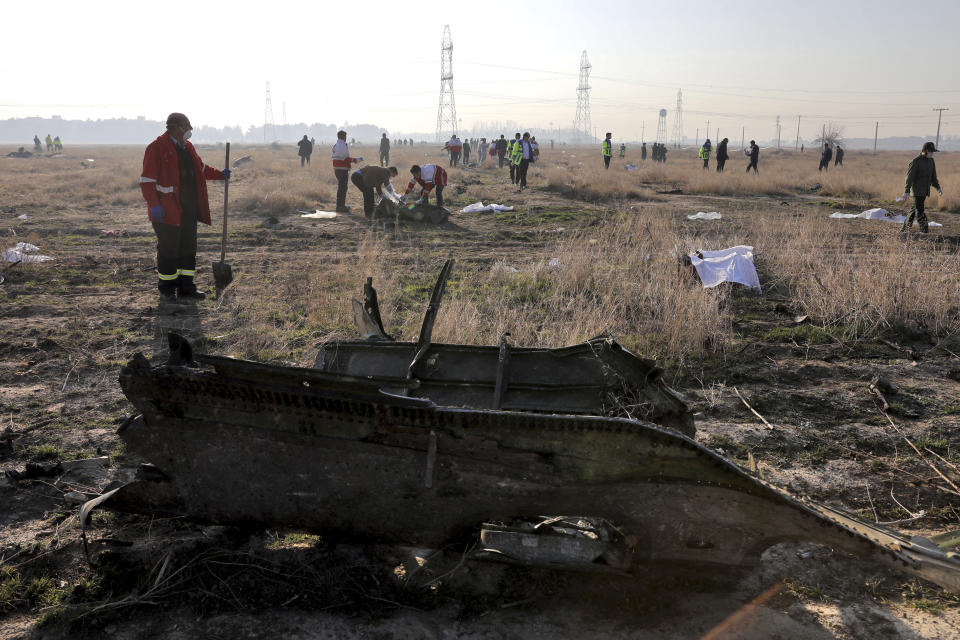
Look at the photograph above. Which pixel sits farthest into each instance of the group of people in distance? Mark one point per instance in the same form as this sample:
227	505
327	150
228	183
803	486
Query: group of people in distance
173	184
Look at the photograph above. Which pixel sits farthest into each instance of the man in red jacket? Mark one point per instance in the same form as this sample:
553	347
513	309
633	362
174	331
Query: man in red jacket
174	185
428	176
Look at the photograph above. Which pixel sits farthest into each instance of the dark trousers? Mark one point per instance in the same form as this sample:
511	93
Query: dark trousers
500	161
357	180
522	173
706	163
752	165
341	187
606	162
304	159
454	158
917	210
513	172
438	189
384	158
720	163
466	157
176	251
824	165
838	161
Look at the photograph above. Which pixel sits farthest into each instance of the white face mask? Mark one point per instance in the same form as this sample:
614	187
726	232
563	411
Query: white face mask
187	134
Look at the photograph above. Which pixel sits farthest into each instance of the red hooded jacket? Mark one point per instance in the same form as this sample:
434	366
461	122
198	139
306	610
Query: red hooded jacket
160	179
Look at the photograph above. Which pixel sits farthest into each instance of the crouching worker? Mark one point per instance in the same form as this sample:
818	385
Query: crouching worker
372	177
428	176
174	184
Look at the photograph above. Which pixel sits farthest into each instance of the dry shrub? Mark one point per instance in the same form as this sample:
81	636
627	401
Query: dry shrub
862	286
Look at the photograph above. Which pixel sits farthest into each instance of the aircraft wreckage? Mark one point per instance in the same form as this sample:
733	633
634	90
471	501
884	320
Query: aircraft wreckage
422	443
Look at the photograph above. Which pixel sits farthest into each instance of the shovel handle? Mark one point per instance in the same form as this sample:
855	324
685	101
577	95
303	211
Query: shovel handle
226	189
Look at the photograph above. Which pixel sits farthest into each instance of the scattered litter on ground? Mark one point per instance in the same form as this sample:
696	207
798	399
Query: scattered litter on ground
671	192
556	264
23	216
324	215
23	252
478	207
727	265
241	161
20	153
816	187
632	167
113	233
876	214
899	199
705	215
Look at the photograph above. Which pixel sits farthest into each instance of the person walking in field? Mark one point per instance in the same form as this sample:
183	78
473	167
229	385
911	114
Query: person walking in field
501	151
921	175
643	151
305	150
704	154
57	145
49	142
36	144
512	157
838	156
623	150
454	146
371	178
384	150
524	157
429	177
754	152
466	152
174	184
722	155
825	157
606	148
341	169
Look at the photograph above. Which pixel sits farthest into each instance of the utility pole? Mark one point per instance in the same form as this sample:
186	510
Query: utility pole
447	108
697	144
796	147
742	138
876	130
708	128
643	130
581	122
823	136
778	133
939	116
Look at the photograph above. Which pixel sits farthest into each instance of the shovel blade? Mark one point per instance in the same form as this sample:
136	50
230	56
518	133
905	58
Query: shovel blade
222	275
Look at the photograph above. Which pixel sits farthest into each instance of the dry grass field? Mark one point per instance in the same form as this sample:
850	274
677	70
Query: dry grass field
585	251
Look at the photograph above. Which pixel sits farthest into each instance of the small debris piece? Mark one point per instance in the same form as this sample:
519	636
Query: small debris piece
884	385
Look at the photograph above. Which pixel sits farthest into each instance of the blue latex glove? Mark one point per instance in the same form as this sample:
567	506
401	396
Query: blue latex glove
157	212
226	174
360	159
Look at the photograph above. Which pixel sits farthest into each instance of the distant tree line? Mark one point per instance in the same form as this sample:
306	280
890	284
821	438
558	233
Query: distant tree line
20	131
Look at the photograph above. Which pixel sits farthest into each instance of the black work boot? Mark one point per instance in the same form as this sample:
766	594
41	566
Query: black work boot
187	290
168	290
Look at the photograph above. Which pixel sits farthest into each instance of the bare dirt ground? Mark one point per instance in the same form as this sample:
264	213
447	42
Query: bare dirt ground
69	325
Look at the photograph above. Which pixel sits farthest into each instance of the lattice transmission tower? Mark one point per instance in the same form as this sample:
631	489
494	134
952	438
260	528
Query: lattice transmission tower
677	136
447	111
662	127
581	123
268	118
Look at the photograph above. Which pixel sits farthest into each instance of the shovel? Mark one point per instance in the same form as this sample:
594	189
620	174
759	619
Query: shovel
222	273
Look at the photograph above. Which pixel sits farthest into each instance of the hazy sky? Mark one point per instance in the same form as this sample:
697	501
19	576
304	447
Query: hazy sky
739	63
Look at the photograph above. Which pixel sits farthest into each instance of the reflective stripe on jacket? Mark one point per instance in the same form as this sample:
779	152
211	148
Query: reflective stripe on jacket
160	179
606	148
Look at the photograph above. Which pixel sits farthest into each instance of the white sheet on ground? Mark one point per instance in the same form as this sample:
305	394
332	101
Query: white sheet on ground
324	215
705	215
23	252
876	214
479	207
727	265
